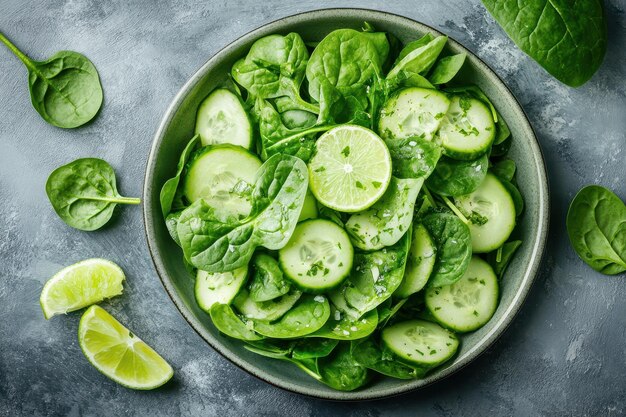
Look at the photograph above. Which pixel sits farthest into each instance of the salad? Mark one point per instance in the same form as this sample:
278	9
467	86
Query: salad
347	205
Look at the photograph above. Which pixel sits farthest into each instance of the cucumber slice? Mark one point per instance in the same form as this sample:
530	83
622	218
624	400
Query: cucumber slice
420	342
222	119
222	175
420	263
469	303
468	130
219	287
265	310
491	212
318	256
309	209
413	112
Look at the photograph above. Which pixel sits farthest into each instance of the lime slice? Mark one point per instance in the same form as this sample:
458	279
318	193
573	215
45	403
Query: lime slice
351	168
119	354
81	285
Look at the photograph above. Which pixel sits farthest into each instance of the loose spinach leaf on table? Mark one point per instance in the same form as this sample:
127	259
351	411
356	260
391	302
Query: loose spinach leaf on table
454	247
168	192
64	89
596	224
84	193
567	38
214	245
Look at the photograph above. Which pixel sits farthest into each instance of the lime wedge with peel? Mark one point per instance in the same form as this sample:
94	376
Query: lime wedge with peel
351	168
119	354
81	285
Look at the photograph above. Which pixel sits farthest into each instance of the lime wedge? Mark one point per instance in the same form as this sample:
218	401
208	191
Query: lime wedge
351	168
81	285
119	354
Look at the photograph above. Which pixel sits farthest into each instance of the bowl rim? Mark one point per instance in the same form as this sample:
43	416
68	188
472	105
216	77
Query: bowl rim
479	348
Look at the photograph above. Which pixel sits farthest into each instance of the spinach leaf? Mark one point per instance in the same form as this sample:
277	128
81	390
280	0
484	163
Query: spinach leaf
452	177
388	219
374	277
227	322
307	316
567	38
412	46
341	371
342	326
214	245
420	59
308	365
343	62
313	348
518	200
500	259
504	169
446	68
454	247
388	310
596	225
84	193
413	157
268	281
64	89
168	192
275	67
369	354
171	222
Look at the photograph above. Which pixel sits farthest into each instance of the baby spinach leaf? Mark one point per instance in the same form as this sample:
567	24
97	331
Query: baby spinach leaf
265	310
500	259
168	192
84	193
567	38
452	177
227	322
214	245
374	277
388	310
596	224
388	219
413	157
369	354
313	348
446	68
275	67
413	45
64	89
307	316
342	326
504	169
308	365
341	371
268	281
518	201
420	59
454	247
171	222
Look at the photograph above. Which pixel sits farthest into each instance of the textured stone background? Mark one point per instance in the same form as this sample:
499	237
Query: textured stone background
564	355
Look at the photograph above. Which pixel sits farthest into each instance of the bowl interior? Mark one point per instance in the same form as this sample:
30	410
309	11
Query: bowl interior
177	128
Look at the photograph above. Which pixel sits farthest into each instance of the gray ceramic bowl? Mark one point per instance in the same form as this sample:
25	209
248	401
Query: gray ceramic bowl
177	127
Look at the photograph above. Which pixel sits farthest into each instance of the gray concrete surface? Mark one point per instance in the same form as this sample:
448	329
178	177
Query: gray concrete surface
564	355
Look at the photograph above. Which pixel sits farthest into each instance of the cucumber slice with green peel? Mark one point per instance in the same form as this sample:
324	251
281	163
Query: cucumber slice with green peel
309	209
491	213
420	342
265	310
469	303
222	119
467	130
318	256
219	287
413	112
222	175
388	219
419	264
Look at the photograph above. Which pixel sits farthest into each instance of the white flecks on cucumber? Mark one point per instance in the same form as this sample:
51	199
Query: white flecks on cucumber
222	119
222	175
467	130
218	287
491	214
413	112
420	342
318	256
420	263
388	219
469	303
